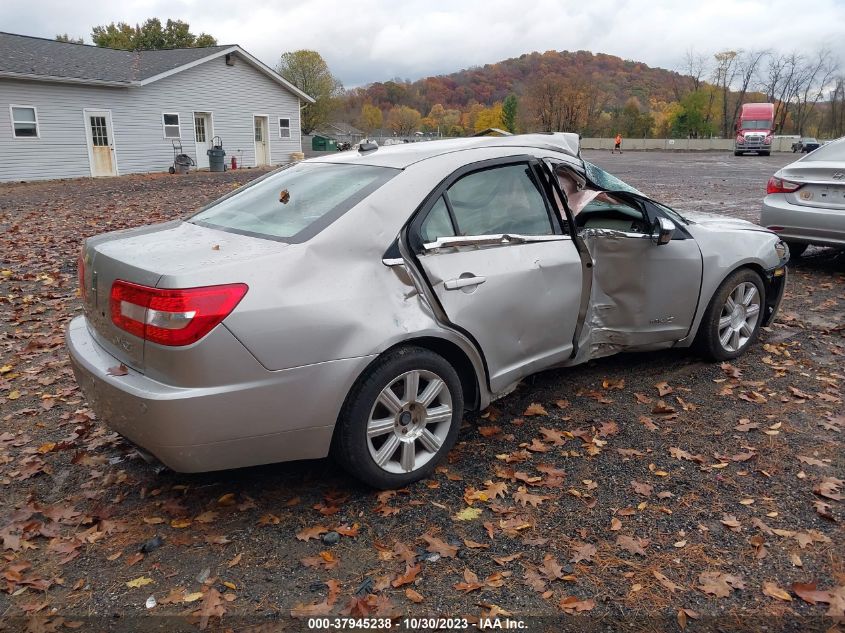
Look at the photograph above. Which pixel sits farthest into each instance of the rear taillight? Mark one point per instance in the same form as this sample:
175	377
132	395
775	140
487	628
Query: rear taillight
172	316
80	269
779	185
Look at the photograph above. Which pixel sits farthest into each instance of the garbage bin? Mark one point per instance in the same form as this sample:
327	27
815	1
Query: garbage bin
182	163
216	159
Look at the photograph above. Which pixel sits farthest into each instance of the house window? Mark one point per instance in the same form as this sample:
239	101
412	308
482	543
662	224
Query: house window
171	125
24	121
284	128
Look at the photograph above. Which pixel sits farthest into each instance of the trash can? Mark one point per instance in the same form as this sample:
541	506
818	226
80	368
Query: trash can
323	144
216	159
182	163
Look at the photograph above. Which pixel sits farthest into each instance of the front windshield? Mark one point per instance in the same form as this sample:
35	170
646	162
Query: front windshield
609	182
756	125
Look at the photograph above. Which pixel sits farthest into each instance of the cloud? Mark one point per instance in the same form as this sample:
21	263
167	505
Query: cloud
375	40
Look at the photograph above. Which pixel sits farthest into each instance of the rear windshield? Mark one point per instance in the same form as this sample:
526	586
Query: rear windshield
296	203
834	150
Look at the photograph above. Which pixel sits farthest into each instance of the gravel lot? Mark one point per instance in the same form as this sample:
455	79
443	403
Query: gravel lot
644	491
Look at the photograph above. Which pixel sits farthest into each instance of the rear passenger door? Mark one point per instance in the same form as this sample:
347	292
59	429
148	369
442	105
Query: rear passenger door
501	266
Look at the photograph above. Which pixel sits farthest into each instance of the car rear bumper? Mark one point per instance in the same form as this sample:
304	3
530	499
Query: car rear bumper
798	223
285	415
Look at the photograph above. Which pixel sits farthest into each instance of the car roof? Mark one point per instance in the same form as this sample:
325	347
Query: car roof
406	154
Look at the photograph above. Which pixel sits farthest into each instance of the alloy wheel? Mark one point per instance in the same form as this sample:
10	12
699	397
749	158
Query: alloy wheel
739	317
409	421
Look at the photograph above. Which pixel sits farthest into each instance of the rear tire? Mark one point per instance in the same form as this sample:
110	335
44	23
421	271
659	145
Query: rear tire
796	249
765	153
737	153
733	317
400	419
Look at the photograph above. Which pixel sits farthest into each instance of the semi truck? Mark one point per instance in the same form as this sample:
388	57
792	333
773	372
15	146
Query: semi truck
755	129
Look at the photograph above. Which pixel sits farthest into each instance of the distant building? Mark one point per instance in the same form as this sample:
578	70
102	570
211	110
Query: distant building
77	110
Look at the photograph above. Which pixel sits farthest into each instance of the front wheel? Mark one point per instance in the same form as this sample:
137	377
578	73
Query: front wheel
401	418
733	317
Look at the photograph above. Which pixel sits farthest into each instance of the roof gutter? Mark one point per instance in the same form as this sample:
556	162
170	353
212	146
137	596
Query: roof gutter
66	80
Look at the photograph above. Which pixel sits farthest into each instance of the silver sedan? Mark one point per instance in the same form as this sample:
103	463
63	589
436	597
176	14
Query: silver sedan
360	303
805	201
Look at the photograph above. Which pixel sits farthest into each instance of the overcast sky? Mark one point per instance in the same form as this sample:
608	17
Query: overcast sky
375	40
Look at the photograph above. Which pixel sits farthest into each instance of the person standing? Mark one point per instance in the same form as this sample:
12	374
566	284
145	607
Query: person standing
617	144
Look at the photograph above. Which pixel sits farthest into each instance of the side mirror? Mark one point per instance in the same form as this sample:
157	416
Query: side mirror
662	231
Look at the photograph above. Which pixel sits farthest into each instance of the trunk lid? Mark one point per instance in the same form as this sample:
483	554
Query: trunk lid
823	184
164	254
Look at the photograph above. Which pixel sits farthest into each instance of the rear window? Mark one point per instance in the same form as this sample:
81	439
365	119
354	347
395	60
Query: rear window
834	150
296	203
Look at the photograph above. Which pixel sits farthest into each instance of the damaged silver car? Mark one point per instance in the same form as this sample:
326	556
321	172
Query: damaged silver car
360	303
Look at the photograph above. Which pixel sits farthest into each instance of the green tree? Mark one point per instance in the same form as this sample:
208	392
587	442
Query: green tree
370	119
64	37
151	35
308	71
509	110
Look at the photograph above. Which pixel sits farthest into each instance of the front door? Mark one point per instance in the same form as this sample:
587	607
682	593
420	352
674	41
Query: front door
503	270
100	136
262	141
202	134
643	294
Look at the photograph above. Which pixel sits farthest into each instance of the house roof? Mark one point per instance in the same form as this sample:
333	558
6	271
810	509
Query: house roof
35	58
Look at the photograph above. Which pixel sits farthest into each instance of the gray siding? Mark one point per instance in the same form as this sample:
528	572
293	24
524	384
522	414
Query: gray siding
233	94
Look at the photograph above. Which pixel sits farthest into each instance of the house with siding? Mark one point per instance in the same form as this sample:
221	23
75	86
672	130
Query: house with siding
73	110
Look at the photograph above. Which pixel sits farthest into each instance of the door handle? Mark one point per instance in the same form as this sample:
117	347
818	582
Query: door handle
463	282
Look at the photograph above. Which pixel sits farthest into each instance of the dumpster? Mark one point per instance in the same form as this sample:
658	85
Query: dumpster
216	155
323	144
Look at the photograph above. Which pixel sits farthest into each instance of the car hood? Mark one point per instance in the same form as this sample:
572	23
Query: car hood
711	222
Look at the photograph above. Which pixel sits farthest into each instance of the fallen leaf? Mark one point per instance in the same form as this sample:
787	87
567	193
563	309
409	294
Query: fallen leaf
313	532
141	581
583	552
468	514
772	590
535	409
632	544
410	575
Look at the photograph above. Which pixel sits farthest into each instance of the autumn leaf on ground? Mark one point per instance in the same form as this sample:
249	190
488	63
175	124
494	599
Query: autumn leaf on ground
661	408
772	590
666	582
829	488
437	546
730	522
583	552
535	409
470	582
718	584
571	604
679	453
319	608
613	383
663	389
468	514
524	497
139	582
410	575
812	461
503	560
118	370
642	489
413	596
313	532
555	437
633	545
212	607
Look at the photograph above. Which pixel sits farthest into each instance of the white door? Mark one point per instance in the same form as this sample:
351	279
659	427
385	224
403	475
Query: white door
262	142
98	129
202	134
